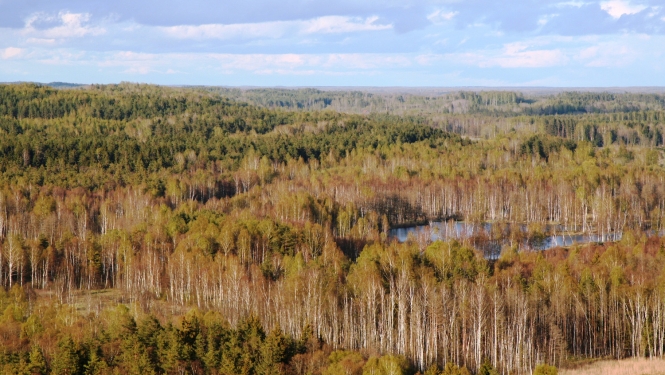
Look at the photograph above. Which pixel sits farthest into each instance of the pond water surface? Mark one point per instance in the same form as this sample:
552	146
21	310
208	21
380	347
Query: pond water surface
461	230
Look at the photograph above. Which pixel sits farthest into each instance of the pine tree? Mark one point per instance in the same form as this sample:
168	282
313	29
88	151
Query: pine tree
66	360
275	351
96	364
135	359
37	362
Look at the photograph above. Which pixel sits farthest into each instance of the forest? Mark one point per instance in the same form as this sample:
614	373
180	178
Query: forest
207	230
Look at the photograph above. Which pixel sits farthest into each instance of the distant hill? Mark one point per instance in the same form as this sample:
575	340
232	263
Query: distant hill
63	85
57	85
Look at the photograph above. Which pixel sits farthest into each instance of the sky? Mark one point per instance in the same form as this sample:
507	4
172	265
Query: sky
434	43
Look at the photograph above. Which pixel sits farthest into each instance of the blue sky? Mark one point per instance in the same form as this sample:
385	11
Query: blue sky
335	43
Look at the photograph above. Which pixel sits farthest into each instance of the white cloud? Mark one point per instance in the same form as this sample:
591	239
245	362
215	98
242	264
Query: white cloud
260	64
576	4
609	54
543	20
513	55
654	11
11	53
531	59
61	57
617	8
368	61
539	56
345	64
428	59
41	41
355	61
588	53
138	70
233	31
137	62
440	16
70	25
276	29
339	24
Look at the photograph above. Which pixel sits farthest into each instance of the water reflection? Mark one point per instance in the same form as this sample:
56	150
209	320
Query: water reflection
494	236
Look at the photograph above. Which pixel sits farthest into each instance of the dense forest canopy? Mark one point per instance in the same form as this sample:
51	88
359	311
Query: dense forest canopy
149	229
500	103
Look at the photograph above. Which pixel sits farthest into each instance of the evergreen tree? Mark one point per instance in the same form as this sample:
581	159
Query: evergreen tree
96	364
275	352
37	362
66	360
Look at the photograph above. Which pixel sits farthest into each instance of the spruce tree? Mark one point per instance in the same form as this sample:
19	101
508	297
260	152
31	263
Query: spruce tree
37	364
66	360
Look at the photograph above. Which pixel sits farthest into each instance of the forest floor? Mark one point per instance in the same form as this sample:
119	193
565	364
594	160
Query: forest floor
85	301
94	301
631	366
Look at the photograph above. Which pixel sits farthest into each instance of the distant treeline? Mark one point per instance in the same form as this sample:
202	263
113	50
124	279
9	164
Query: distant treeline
498	103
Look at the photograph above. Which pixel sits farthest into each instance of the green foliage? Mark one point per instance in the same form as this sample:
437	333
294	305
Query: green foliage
37	362
453	369
387	364
96	364
136	358
345	362
67	359
97	131
275	351
452	261
542	146
487	369
544	369
432	370
168	198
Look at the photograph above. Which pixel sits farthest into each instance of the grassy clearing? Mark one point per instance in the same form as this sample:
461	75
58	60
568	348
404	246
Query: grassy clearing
632	366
